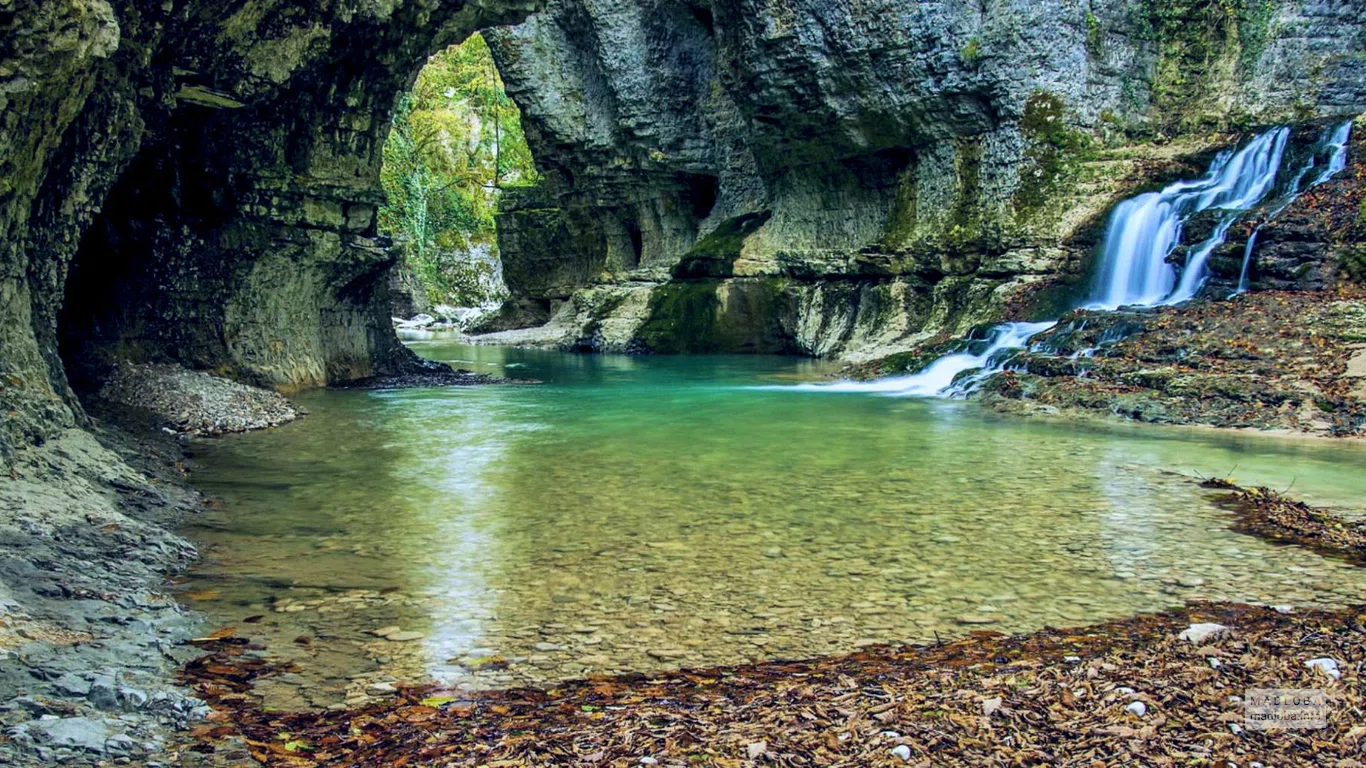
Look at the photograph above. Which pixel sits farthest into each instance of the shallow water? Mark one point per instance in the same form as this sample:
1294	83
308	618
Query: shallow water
639	513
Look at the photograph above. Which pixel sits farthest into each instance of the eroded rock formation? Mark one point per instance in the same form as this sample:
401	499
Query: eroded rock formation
850	179
196	182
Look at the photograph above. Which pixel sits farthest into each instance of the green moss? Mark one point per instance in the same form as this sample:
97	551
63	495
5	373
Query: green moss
688	317
603	310
1095	35
1053	158
715	254
902	222
1254	30
972	53
1200	43
965	224
1352	267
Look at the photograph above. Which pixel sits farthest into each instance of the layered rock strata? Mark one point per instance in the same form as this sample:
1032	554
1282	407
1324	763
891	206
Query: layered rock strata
851	180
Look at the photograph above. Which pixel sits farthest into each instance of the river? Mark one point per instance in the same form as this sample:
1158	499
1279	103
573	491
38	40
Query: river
629	514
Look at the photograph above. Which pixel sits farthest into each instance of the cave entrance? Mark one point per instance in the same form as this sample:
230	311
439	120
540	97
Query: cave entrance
456	147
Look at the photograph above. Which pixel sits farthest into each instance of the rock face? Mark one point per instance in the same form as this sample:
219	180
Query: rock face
193	183
846	179
184	182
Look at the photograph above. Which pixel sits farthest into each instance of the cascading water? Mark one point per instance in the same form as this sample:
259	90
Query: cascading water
1142	232
1145	229
1335	143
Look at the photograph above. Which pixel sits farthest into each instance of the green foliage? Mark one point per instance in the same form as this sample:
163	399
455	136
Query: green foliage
1095	35
456	143
1200	43
972	53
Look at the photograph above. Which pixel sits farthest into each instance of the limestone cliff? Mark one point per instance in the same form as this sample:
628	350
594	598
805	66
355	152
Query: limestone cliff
197	182
853	178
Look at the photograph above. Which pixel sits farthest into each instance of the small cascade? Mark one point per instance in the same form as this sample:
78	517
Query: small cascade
987	355
1334	142
1134	269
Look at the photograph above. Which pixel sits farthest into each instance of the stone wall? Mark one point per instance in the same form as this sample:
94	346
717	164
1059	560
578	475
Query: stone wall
919	167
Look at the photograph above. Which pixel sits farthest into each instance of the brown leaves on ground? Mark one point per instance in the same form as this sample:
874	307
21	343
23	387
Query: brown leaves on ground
1056	697
1266	513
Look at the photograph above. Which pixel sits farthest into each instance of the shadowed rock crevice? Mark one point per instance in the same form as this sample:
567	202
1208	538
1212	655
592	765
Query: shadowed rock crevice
209	177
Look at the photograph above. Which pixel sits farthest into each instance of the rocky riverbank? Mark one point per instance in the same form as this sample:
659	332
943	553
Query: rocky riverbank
186	402
89	637
1273	360
1154	689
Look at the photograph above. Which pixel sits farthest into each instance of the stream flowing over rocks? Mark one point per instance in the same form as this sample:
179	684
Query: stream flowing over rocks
188	229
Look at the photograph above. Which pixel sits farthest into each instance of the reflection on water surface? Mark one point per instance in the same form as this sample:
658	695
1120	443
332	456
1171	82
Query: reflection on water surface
638	513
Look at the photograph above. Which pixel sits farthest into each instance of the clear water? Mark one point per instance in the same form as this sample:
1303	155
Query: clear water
640	513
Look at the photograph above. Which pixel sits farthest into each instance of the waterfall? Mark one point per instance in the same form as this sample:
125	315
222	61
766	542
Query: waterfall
1144	230
939	376
1334	142
1142	233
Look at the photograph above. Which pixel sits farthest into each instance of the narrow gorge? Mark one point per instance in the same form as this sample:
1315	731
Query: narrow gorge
934	199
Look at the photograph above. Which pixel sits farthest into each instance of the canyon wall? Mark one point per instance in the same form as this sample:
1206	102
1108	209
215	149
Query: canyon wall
853	179
196	182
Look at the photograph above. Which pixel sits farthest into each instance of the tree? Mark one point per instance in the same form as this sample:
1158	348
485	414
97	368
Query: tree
456	143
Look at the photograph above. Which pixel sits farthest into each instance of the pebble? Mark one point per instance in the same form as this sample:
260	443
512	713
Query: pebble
974	619
1199	634
1137	709
902	753
1325	665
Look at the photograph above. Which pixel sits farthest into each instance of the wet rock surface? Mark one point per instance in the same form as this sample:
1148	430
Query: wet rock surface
1271	360
89	638
885	172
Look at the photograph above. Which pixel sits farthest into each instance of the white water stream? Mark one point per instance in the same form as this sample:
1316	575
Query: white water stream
1134	270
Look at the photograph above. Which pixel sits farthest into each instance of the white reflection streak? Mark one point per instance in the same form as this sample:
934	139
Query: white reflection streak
465	541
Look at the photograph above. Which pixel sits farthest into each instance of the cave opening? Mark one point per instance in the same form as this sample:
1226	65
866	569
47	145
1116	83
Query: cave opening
456	147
